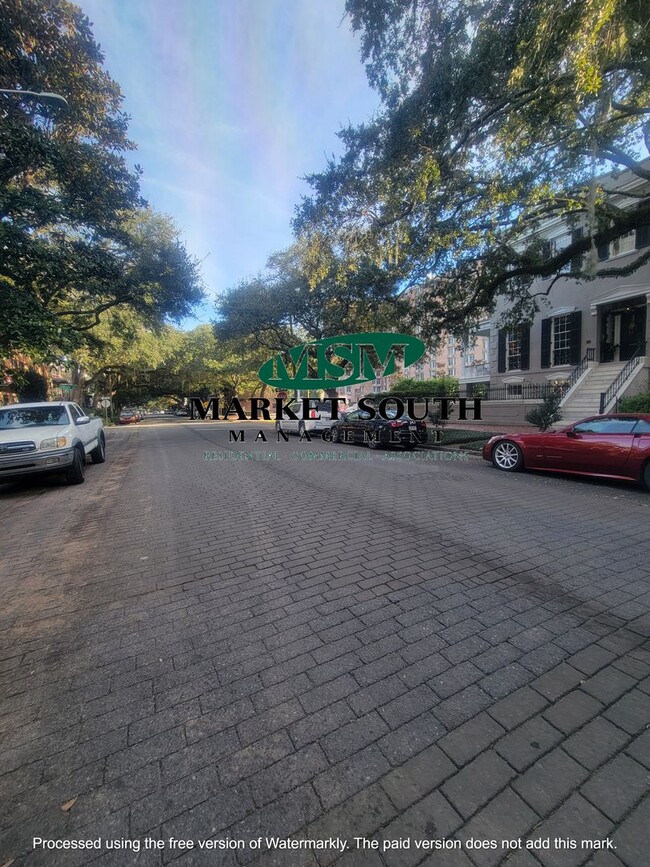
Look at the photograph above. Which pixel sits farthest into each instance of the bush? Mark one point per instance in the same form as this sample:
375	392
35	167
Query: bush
456	436
547	413
31	385
638	403
441	386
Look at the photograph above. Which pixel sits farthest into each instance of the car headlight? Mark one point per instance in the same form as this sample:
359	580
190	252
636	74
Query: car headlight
54	443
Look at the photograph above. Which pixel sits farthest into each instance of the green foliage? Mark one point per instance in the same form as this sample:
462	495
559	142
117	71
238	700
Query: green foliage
441	386
637	403
497	116
456	436
310	291
76	237
547	413
32	386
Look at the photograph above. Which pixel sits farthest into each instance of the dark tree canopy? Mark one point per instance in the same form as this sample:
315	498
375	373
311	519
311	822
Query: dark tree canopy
76	237
497	116
310	291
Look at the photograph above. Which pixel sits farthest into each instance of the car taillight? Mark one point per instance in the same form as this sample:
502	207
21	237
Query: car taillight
312	413
394	424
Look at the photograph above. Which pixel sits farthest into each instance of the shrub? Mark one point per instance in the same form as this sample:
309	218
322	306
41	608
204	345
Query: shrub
638	403
441	386
547	413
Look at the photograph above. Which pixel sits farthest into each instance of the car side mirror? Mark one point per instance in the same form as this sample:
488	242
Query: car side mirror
84	419
571	433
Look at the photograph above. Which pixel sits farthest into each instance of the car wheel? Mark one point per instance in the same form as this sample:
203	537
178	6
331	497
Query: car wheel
336	435
301	428
646	475
75	473
374	444
507	456
278	426
98	454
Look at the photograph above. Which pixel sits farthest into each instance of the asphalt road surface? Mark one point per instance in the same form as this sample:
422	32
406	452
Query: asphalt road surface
367	658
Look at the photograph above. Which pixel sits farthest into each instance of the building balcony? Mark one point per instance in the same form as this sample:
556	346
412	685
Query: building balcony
475	372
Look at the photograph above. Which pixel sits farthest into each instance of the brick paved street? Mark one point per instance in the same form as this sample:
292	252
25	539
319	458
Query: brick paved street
388	649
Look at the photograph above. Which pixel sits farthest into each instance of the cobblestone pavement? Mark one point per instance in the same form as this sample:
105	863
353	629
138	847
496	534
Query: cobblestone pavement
389	650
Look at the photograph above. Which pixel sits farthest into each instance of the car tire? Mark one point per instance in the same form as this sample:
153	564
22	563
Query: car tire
75	474
98	454
374	444
507	456
336	435
301	428
645	476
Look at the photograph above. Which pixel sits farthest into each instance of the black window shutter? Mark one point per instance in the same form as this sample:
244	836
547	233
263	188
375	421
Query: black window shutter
576	262
546	342
501	364
575	326
642	237
525	348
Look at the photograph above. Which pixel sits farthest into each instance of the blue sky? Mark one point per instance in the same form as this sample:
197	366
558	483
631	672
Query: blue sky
231	102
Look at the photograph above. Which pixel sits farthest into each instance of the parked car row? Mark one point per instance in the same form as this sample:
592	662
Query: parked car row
357	426
612	446
131	415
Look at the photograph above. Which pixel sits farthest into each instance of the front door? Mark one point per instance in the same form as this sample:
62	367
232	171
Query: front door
632	340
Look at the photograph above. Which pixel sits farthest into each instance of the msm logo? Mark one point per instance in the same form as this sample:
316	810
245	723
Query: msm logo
334	362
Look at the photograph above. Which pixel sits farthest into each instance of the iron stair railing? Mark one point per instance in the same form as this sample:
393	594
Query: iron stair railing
589	355
606	397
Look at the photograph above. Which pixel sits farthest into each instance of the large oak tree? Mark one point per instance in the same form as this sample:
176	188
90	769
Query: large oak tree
497	116
76	239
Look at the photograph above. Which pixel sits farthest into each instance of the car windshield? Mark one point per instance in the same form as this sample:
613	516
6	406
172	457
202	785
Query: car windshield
35	416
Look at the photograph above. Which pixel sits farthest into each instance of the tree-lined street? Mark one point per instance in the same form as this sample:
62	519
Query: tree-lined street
343	648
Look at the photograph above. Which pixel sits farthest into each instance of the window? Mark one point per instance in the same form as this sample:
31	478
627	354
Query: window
513	351
561	341
75	412
642	427
606	426
514	391
625	244
562	338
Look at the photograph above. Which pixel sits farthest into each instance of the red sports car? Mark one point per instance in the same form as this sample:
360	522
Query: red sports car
614	446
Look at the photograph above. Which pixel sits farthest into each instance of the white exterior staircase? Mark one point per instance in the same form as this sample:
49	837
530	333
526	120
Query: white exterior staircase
584	399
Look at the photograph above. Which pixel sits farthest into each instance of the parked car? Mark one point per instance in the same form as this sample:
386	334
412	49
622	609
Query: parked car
320	419
358	426
129	416
181	413
49	438
612	446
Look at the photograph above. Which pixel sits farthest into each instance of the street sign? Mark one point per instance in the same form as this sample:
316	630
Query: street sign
105	402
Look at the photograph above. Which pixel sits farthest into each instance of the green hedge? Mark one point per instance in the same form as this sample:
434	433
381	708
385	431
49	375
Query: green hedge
441	386
453	436
638	403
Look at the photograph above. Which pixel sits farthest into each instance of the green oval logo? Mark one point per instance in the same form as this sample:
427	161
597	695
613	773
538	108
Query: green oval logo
334	362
